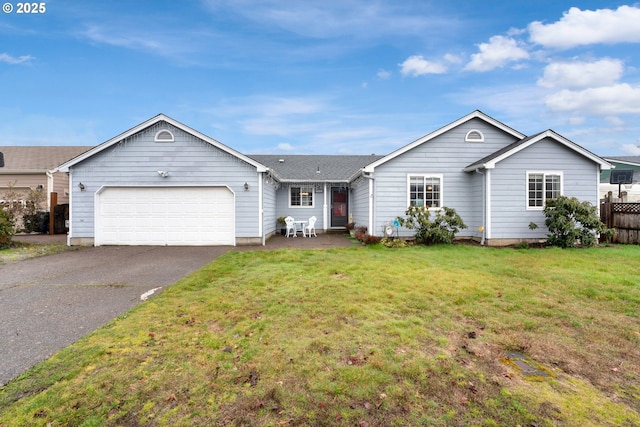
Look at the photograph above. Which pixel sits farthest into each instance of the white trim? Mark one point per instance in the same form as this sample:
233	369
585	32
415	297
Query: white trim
624	162
488	220
476	114
371	201
313	196
474	131
440	176
491	164
261	208
97	237
325	207
544	174
160	117
156	139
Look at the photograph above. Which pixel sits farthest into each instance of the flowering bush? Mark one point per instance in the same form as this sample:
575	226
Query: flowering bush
442	229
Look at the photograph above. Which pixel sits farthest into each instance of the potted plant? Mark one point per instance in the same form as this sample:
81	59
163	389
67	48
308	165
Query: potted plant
283	226
351	228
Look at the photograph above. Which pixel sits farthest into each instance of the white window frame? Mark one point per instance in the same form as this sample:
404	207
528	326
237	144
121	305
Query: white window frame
164	131
424	177
311	189
467	137
544	174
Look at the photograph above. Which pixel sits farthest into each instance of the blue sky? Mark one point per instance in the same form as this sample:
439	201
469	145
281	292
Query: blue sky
321	77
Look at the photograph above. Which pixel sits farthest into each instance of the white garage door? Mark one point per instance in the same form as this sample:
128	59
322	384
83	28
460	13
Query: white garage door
162	216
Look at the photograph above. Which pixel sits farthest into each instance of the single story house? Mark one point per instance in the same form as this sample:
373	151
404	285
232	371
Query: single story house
163	183
30	168
630	192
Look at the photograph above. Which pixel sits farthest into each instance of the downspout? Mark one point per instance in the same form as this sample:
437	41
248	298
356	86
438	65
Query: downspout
369	176
261	208
49	189
484	204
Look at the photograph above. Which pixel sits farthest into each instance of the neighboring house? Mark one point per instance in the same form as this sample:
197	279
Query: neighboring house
163	183
30	168
631	163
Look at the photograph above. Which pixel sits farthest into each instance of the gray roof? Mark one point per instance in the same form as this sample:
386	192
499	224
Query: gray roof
305	167
625	159
37	158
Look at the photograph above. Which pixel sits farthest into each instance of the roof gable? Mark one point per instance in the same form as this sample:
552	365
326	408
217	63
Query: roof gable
491	160
477	114
160	117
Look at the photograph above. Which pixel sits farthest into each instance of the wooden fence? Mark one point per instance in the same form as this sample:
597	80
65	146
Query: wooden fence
624	217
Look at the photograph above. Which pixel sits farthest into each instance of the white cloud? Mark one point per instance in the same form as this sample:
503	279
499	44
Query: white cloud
416	65
383	74
630	149
606	101
5	57
584	27
452	59
283	146
321	19
614	121
579	74
498	52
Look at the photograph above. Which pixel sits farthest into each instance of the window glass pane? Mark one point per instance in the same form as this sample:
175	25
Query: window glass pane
432	192
552	186
295	196
416	191
535	190
302	196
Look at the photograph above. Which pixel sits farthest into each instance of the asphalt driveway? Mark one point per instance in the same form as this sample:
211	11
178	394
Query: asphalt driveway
48	303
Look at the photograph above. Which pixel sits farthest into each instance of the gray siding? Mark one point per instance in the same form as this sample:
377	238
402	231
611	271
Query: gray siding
510	216
302	213
269	207
189	161
359	203
446	154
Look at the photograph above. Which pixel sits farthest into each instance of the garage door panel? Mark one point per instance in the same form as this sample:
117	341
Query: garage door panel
165	216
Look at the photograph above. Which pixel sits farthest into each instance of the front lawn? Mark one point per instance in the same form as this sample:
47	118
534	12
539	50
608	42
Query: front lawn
362	336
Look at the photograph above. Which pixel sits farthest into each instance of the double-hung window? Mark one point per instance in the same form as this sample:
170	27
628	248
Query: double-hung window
542	186
425	190
301	196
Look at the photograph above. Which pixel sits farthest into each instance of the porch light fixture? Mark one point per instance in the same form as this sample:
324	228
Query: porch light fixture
81	186
163	174
246	186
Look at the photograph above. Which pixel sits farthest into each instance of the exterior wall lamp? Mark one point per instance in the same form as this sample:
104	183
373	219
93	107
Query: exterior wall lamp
246	186
81	186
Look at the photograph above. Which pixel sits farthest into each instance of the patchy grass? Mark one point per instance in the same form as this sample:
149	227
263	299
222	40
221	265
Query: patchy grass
360	336
20	250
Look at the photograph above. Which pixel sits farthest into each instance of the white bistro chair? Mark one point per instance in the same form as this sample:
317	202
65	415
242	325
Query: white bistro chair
310	228
291	226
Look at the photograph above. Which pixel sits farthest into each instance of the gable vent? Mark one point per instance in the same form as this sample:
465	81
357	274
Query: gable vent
164	136
474	136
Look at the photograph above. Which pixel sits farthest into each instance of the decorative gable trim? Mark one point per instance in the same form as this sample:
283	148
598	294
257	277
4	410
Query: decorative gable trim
477	114
160	117
490	162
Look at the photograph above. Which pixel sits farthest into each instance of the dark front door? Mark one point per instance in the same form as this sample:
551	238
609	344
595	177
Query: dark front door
339	206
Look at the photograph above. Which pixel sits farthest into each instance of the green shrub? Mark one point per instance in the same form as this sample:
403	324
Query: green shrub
441	229
6	228
573	223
